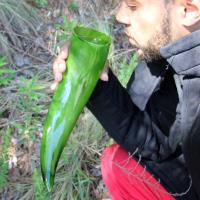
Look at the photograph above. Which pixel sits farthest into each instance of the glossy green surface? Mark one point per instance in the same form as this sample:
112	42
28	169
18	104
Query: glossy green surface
87	56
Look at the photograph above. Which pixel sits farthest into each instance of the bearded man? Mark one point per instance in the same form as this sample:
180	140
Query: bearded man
155	121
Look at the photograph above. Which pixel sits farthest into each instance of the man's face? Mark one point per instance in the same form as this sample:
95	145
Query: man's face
148	25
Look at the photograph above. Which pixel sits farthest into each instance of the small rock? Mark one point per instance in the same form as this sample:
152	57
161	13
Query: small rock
12	162
56	13
14	141
96	171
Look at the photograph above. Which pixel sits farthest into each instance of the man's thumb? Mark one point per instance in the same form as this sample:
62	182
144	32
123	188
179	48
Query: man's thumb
104	76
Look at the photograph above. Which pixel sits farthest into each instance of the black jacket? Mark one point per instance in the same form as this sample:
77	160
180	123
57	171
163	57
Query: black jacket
157	114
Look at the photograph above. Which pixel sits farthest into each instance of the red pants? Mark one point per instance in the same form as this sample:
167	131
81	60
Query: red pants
128	180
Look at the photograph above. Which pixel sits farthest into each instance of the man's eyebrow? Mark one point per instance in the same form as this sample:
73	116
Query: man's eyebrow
133	1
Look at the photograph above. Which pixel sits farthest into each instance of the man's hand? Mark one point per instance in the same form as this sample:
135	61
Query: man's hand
59	67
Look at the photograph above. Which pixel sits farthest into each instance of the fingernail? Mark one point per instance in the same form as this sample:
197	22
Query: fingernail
62	67
53	86
104	77
63	54
58	77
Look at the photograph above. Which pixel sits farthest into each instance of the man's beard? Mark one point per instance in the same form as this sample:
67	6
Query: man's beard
151	51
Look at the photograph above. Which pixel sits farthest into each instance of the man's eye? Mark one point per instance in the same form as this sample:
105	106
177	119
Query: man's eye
132	7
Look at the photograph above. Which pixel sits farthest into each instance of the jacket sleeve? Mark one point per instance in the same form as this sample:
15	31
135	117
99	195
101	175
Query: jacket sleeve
191	150
130	127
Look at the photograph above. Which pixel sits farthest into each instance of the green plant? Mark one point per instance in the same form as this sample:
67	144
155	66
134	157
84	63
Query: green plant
28	100
3	61
40	192
81	181
5	73
65	29
29	93
25	100
41	3
73	6
6	136
27	129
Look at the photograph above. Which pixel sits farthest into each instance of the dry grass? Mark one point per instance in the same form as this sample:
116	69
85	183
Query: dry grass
25	100
17	20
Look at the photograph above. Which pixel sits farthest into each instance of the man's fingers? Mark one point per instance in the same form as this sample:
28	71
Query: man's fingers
62	66
104	76
58	77
58	69
59	66
55	66
53	86
63	52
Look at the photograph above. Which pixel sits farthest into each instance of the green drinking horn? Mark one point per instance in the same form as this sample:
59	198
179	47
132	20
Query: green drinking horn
88	52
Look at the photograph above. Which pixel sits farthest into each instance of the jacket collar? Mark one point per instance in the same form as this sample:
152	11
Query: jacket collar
184	54
145	80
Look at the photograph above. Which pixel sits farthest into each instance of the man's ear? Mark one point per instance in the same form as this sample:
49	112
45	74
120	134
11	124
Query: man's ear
190	12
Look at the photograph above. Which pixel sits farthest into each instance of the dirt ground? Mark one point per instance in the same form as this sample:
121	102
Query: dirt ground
38	52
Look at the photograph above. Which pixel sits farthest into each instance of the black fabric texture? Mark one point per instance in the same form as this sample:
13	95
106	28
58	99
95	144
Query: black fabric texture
157	116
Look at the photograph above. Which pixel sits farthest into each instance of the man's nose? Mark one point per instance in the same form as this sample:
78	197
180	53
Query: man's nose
122	15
